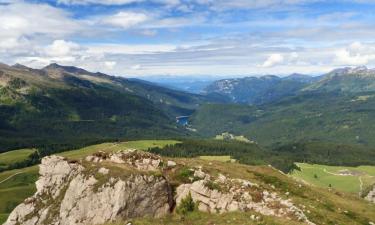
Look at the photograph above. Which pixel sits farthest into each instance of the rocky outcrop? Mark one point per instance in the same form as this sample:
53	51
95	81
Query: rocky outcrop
371	195
137	159
118	186
73	193
227	195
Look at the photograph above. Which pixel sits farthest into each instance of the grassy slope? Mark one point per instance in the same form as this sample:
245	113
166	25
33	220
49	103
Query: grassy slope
14	156
113	147
324	206
200	218
14	190
224	158
326	175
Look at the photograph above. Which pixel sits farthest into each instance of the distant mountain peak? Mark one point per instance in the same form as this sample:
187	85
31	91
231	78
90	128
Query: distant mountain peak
20	66
3	65
268	77
52	66
57	66
297	75
359	70
68	69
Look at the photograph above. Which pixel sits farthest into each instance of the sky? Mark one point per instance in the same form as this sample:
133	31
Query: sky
139	38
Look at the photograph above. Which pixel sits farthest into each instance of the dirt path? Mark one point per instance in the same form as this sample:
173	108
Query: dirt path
10	177
337	174
360	186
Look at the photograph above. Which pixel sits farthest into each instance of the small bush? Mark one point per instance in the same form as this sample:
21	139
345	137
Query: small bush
212	185
186	205
184	175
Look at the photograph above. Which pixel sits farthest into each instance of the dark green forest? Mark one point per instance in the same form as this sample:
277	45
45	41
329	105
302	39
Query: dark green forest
282	157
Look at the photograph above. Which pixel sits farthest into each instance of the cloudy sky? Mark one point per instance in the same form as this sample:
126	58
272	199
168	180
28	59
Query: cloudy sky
189	37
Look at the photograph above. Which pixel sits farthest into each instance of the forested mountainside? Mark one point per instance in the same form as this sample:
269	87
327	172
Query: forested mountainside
259	90
330	117
61	104
338	107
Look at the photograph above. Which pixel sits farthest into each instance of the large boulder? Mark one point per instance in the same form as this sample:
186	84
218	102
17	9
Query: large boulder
71	194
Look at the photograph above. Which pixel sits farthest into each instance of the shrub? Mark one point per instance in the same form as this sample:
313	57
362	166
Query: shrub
184	175
186	205
212	185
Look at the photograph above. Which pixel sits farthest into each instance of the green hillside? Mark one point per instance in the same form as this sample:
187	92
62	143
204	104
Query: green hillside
259	90
349	80
15	156
328	117
68	105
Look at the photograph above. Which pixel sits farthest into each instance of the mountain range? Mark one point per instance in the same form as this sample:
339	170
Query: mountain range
271	88
337	107
64	104
326	120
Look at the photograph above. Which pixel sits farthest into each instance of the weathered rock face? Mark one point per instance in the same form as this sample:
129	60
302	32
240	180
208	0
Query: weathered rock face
107	187
227	195
67	194
371	195
138	159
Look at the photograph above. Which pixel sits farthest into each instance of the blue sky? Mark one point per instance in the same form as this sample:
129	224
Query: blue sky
137	38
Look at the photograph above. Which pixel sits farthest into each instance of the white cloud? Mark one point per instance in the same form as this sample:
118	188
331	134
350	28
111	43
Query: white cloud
116	2
61	48
355	54
99	2
148	32
20	19
344	57
130	49
223	5
136	67
273	59
194	42
125	19
110	64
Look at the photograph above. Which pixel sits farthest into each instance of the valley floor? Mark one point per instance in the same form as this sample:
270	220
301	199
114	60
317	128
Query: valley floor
348	179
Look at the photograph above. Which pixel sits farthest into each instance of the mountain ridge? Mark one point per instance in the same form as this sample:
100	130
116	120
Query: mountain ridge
59	100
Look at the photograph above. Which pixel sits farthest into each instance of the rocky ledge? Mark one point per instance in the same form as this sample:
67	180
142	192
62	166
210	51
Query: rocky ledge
118	186
370	196
224	194
67	194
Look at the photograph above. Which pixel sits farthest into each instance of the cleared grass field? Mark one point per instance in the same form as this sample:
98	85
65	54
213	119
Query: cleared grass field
224	158
227	135
348	179
17	185
113	147
7	158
